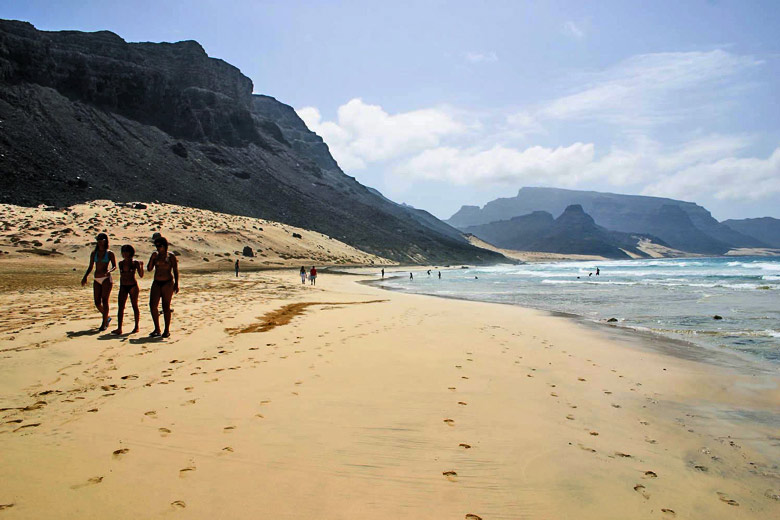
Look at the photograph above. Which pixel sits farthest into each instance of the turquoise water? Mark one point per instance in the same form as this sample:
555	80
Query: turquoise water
672	297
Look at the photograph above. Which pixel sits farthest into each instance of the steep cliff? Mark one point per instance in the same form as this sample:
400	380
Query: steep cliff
87	116
626	213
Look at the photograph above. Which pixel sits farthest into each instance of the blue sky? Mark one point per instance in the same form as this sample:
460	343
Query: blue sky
439	104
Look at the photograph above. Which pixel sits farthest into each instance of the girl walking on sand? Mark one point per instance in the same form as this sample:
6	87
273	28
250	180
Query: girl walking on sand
128	286
165	284
101	287
303	275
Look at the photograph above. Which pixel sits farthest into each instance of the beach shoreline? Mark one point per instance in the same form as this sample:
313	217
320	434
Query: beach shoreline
365	409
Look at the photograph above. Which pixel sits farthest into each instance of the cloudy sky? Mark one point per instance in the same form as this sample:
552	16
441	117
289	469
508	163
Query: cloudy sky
439	104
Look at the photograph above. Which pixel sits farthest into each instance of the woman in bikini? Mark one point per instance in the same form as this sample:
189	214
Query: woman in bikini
101	288
165	284
128	286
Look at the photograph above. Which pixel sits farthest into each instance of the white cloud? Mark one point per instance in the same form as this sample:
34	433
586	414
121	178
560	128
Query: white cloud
364	133
653	88
572	29
499	164
481	57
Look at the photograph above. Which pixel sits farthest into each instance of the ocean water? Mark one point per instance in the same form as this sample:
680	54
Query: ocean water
671	297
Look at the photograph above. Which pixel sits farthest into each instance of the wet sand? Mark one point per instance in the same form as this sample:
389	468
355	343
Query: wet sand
364	403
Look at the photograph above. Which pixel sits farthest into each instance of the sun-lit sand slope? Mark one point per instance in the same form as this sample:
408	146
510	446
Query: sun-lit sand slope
202	238
278	400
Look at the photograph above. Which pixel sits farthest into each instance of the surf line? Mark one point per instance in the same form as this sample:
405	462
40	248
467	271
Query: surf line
284	315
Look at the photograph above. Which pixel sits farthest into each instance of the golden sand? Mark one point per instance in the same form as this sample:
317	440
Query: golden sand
408	407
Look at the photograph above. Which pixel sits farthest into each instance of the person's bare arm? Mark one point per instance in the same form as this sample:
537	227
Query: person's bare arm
175	269
112	259
140	269
89	269
150	265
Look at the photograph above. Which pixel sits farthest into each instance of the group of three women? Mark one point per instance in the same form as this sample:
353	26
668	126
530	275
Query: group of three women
165	284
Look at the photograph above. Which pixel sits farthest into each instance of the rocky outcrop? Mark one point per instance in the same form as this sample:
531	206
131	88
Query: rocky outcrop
86	116
625	213
573	232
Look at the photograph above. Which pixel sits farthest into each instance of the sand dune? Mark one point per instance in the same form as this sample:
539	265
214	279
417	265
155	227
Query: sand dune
204	239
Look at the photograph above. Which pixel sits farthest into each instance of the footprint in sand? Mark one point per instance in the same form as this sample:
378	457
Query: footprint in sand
607	392
623	455
464	445
553	394
118	453
164	432
585	448
581	379
472	516
450	422
650	474
615	405
639	488
150	413
6	506
463	377
32	425
130	377
462	403
178	504
227	449
89	482
448	388
450	475
570	417
93	410
184	471
668	512
594	433
227	429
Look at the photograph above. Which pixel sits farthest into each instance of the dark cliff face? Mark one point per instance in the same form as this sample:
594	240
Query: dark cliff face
85	116
625	213
765	229
573	232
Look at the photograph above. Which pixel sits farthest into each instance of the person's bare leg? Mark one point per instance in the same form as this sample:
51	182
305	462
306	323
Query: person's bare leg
167	296
154	303
121	312
106	294
136	311
97	294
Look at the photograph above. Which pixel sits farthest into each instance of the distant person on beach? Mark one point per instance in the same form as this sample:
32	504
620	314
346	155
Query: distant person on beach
439	275
313	276
128	286
303	275
101	287
411	276
597	271
429	272
236	266
165	284
590	274
383	272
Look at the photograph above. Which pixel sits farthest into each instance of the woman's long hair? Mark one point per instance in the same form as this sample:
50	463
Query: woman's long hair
101	236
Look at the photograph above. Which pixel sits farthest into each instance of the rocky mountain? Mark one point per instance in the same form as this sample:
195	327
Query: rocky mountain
696	231
766	229
87	116
573	232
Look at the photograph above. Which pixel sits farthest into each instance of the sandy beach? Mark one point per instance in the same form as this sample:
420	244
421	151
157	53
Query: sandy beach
283	400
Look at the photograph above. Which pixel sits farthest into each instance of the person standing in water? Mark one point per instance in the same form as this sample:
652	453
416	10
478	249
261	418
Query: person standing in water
598	271
439	275
101	287
165	284
236	267
303	275
383	272
313	275
128	286
411	276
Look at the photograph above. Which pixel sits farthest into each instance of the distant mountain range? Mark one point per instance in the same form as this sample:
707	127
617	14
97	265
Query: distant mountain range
680	225
86	116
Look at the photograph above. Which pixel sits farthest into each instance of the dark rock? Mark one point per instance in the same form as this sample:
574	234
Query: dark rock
180	150
612	320
138	205
297	235
717	317
248	251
